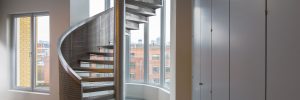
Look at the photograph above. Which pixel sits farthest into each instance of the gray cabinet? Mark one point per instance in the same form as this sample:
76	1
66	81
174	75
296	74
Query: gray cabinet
283	82
242	53
247	50
229	50
220	50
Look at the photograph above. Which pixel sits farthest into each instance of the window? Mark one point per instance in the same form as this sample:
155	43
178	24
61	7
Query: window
168	69
155	46
167	44
149	48
155	69
32	52
132	54
156	80
132	75
132	65
155	57
136	58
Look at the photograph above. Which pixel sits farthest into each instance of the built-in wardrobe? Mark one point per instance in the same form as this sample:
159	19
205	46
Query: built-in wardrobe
246	50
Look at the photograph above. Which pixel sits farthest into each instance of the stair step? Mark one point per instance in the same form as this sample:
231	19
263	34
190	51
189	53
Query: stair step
98	61
94	70
140	10
127	31
132	98
88	89
97	79
102	95
130	25
107	47
147	3
93	74
136	17
102	54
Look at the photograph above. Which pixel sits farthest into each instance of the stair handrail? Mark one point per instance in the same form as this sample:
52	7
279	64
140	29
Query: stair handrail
69	31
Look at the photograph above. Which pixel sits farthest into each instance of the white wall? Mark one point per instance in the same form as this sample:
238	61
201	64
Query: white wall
59	11
3	52
79	10
146	92
246	56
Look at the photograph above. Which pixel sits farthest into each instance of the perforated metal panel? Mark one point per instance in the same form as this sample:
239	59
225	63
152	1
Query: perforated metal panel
69	88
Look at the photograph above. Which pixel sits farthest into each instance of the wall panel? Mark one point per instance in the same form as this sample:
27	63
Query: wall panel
247	50
220	50
205	49
283	50
196	50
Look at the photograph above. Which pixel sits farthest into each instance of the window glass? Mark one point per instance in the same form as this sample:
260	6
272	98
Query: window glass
112	3
167	45
154	47
96	6
137	55
23	52
32	52
157	58
42	47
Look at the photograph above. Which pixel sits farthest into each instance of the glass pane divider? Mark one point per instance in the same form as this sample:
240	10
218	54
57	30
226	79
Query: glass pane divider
146	52
163	38
33	51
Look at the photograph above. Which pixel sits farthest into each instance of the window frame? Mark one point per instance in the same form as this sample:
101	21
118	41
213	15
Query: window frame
33	33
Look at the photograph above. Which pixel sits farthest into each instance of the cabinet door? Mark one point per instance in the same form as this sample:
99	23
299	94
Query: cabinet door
202	50
196	50
220	49
283	50
247	49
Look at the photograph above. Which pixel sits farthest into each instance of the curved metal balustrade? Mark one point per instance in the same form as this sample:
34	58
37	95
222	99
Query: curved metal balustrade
91	52
76	44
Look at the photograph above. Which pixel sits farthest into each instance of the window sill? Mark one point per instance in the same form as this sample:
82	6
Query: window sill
29	92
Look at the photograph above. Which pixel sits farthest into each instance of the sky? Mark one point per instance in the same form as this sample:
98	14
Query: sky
43	28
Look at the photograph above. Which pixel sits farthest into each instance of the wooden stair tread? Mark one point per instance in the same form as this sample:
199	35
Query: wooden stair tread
102	95
87	89
140	10
103	54
136	17
94	70
131	25
107	46
146	4
98	61
97	79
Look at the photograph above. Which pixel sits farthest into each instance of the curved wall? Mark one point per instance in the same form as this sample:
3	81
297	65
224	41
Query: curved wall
146	92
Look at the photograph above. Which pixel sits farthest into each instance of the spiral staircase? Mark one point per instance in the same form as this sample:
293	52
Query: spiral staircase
89	52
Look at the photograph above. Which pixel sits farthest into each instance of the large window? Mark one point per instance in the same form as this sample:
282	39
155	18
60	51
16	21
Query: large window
149	51
167	44
155	37
137	66
32	52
